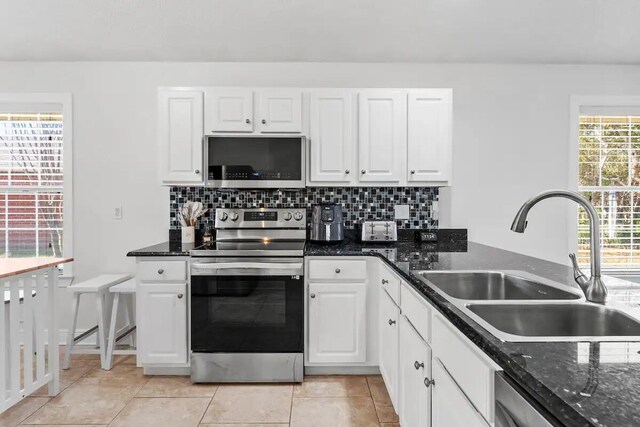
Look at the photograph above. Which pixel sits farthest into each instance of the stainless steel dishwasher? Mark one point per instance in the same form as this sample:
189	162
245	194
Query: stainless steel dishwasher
514	410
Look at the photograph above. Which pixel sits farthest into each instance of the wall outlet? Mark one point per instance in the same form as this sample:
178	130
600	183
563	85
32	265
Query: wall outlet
401	211
117	212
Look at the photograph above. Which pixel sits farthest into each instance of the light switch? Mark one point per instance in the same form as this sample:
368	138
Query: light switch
401	211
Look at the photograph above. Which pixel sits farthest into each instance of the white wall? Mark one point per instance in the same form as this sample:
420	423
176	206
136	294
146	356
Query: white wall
511	126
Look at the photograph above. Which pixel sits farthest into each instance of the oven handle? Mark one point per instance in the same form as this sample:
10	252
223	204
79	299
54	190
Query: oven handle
246	268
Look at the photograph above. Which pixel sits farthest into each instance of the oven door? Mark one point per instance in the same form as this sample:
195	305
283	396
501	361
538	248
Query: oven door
247	305
240	161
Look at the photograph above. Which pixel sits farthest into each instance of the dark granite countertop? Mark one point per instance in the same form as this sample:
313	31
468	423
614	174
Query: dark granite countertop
588	383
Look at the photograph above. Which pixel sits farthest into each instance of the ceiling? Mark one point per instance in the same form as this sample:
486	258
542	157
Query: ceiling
501	31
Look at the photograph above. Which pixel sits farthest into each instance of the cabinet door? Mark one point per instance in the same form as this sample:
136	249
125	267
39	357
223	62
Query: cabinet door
450	406
279	110
331	136
388	350
415	377
229	110
162	310
382	135
429	136
337	320
181	136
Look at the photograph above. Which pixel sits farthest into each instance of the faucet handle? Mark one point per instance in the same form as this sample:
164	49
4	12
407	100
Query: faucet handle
578	275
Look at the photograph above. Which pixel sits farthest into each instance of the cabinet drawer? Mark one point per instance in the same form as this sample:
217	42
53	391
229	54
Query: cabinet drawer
337	270
417	311
471	369
162	270
390	282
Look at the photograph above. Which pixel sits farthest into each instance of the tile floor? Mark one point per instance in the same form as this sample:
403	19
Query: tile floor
125	397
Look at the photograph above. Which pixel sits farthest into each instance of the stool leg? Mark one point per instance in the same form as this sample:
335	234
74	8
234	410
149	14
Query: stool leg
131	319
111	342
101	327
71	333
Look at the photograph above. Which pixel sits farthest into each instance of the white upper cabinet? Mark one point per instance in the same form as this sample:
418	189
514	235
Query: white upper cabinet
332	141
382	136
429	136
229	110
181	136
279	111
337	322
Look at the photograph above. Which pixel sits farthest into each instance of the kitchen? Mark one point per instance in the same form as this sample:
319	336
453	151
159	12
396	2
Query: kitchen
442	147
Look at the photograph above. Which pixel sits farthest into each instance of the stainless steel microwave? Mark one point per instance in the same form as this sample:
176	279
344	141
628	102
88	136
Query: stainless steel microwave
255	161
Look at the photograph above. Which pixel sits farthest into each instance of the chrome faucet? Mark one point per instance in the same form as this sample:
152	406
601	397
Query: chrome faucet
593	287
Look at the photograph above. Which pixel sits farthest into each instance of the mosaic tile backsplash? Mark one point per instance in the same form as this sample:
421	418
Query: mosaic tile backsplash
357	203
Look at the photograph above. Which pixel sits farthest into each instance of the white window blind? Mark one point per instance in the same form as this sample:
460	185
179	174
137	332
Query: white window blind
609	176
31	184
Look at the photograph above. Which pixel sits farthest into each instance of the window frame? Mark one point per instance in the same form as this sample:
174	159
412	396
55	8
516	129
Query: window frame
63	103
577	102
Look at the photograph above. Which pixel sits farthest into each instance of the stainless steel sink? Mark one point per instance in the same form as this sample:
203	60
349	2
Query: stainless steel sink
554	321
494	285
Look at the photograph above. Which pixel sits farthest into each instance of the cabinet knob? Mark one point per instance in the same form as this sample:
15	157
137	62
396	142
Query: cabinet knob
264	122
363	171
413	172
337	270
385	281
392	322
418	365
347	171
160	271
247	121
180	296
197	171
312	295
428	382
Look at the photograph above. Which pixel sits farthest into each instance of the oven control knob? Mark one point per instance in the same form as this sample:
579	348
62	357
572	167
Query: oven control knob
234	216
297	216
287	216
223	216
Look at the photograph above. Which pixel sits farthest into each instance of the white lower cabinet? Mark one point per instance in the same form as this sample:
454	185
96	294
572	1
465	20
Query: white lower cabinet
415	378
450	406
162	325
388	351
337	322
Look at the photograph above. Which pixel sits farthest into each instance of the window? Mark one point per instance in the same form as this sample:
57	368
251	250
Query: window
34	180
609	176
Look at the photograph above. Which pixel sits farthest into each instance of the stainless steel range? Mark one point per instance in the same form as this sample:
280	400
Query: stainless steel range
247	298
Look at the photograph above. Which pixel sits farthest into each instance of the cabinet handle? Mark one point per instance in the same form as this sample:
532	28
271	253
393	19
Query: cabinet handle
312	295
428	382
347	171
180	296
197	171
337	270
247	121
160	271
385	281
418	365
363	171
264	122
413	172
392	322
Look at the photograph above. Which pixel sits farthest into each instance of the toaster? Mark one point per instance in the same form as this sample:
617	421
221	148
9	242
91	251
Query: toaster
377	231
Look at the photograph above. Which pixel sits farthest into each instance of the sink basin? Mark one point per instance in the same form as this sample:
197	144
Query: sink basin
561	320
493	285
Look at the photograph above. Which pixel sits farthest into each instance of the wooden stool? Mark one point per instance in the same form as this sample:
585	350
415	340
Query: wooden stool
127	288
99	287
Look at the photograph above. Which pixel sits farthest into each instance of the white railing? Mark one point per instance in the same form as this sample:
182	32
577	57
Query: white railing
29	332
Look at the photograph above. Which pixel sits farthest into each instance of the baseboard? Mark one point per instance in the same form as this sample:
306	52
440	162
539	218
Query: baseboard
341	370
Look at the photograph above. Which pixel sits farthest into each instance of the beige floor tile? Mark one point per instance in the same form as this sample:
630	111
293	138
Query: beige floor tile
333	411
128	371
21	410
67	377
389	425
165	386
332	386
386	414
153	412
379	391
88	401
69	425
250	404
245	425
